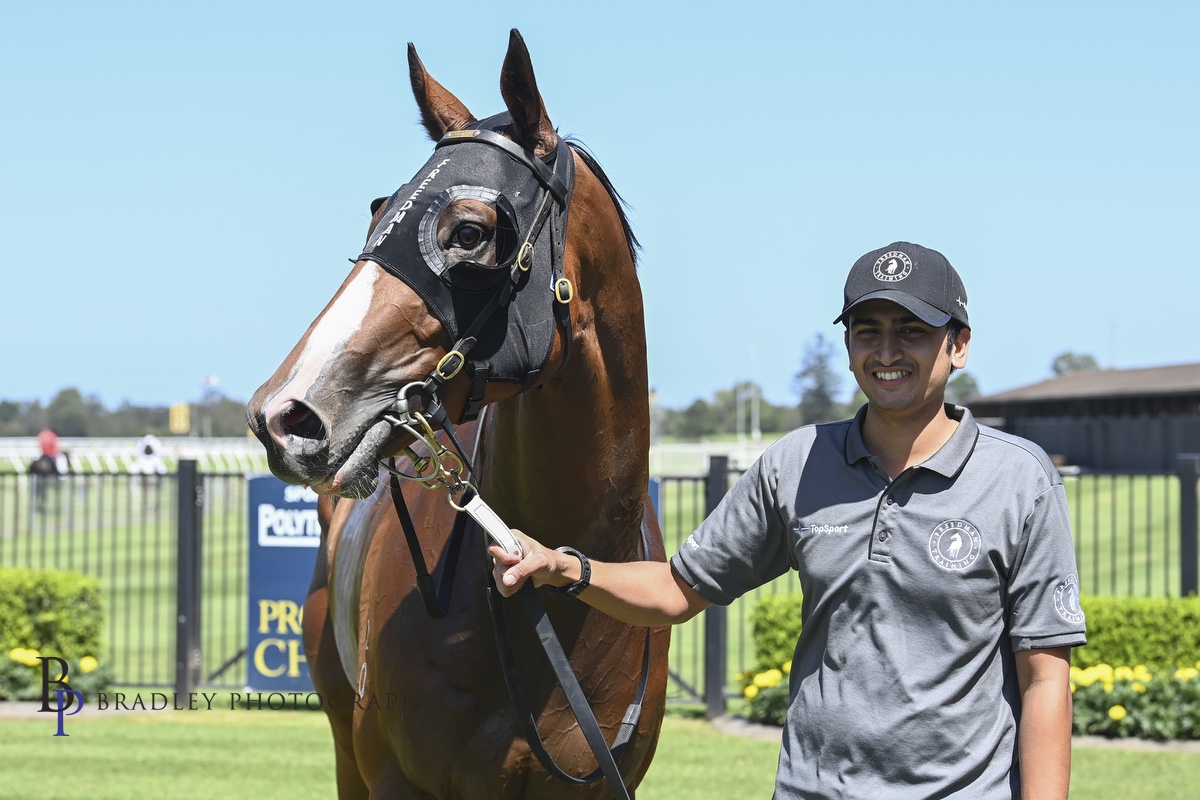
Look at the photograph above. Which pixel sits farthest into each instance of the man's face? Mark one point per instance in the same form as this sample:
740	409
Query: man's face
900	362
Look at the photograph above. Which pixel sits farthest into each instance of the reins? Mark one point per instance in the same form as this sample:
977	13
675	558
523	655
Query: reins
437	604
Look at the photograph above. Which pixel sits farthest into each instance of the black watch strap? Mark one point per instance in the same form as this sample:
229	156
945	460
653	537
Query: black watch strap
585	573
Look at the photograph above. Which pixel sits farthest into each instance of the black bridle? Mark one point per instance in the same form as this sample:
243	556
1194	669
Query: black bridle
420	404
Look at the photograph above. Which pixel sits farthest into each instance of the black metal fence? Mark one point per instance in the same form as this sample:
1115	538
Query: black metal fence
182	621
1135	534
124	530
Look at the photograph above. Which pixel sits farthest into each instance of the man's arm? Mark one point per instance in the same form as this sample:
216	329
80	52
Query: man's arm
1044	736
646	593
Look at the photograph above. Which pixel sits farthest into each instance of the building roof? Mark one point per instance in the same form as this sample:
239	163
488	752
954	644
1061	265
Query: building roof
1179	379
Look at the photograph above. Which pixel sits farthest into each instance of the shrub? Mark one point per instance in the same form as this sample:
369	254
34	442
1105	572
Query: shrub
49	613
1157	631
775	627
1158	698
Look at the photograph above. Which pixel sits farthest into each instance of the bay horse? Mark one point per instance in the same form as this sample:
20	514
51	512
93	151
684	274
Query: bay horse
477	293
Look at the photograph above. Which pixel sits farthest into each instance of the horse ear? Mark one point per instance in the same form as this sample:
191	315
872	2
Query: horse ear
441	111
532	128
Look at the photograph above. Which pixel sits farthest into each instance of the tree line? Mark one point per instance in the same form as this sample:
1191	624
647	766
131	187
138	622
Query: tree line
818	387
71	413
819	390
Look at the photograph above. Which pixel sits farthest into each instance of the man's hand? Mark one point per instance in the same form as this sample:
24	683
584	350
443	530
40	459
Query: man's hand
540	564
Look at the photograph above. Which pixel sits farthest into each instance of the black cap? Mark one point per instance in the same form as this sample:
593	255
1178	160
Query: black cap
912	276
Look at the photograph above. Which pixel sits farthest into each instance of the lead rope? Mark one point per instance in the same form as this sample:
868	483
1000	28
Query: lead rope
432	473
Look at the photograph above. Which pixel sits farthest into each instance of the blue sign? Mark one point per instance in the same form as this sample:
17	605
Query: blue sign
284	535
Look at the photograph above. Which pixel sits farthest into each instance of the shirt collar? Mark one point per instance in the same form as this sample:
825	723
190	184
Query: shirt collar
948	460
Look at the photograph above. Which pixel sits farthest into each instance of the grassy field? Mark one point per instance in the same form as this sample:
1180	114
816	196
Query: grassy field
215	755
123	532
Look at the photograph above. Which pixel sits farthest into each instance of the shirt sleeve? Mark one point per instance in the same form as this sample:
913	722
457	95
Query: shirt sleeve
1043	590
741	545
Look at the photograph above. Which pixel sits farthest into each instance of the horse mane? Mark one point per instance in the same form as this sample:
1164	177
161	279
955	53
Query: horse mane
619	202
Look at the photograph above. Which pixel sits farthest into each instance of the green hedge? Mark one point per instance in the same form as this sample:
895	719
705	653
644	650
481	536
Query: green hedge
55	613
1157	632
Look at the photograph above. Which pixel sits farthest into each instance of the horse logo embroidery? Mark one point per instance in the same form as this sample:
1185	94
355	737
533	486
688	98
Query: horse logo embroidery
1066	600
955	544
892	266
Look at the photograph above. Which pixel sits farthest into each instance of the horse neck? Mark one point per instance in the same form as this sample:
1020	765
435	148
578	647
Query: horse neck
569	461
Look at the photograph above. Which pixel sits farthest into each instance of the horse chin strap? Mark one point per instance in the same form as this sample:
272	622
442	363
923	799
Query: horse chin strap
442	468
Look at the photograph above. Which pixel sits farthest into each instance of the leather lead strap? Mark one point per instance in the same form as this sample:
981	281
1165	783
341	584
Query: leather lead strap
437	600
605	756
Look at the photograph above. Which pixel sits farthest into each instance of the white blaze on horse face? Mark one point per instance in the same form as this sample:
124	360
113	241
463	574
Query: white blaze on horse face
341	320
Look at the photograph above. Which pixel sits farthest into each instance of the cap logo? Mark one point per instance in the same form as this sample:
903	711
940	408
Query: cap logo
892	266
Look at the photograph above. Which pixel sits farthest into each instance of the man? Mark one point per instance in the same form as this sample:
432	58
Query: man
935	557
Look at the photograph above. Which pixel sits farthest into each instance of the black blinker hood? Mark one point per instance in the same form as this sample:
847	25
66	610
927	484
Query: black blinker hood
514	325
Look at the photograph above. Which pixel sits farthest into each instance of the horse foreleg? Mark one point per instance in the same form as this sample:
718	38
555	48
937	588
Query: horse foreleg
337	695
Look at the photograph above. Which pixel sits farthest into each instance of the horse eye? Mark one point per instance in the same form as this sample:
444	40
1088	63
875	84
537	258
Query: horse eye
467	236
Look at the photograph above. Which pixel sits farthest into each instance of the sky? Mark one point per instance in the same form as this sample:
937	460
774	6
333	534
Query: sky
181	185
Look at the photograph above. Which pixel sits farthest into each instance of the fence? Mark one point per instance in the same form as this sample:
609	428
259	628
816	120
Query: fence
125	530
1135	534
173	621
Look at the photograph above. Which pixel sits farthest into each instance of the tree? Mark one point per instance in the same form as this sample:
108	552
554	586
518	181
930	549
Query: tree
817	383
697	420
1068	363
961	388
69	414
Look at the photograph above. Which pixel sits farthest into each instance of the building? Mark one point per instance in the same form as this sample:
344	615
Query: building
1107	419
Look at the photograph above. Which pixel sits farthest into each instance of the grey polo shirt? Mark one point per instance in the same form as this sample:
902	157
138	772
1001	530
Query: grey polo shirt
917	591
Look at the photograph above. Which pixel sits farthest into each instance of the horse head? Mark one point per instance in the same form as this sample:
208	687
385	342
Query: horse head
464	287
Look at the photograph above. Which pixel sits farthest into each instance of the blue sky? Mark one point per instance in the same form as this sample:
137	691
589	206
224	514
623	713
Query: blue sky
181	184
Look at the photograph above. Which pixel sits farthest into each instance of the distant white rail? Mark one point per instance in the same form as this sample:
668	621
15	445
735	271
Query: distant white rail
93	454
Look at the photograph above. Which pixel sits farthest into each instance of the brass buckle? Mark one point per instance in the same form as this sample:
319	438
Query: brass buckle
462	359
525	257
564	292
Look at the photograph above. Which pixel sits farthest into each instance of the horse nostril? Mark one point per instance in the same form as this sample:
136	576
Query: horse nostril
298	420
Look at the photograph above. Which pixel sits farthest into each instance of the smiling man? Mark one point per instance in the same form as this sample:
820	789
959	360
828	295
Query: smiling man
935	556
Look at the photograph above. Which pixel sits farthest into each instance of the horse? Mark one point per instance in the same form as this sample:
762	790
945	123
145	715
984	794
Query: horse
478	300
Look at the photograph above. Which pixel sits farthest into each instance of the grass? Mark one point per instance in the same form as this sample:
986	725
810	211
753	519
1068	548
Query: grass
214	755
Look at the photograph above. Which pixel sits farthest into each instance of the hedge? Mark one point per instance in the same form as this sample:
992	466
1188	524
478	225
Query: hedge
53	612
1156	631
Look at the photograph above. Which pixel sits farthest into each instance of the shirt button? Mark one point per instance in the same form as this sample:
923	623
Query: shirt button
884	536
890	500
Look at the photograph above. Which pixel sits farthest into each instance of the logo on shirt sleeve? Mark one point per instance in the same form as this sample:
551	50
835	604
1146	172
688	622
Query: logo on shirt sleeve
955	544
1066	600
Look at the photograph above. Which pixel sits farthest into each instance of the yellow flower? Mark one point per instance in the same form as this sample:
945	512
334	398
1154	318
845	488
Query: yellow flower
1141	673
1138	687
87	664
21	655
1117	713
1072	687
750	691
787	667
765	680
1123	674
1186	673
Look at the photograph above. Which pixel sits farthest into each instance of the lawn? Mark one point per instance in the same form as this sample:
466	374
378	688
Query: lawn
285	755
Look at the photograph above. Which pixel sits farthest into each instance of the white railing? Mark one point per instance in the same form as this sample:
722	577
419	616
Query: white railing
93	454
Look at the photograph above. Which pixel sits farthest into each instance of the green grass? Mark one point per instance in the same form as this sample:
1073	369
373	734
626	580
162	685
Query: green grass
215	755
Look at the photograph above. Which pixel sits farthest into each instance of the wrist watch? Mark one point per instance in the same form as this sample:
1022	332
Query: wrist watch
585	573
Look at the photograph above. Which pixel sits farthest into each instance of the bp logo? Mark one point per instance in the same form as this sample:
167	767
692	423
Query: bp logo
892	266
1066	600
955	544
